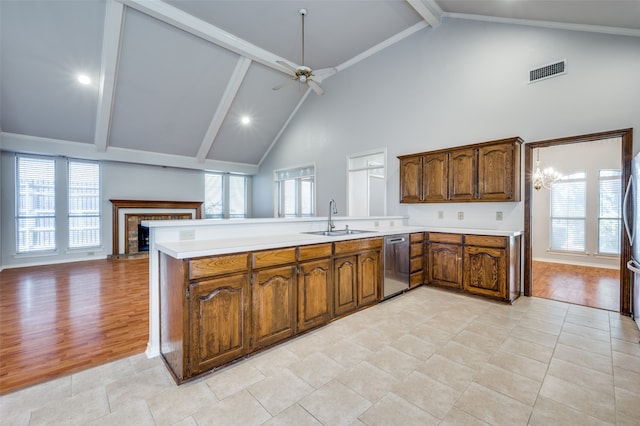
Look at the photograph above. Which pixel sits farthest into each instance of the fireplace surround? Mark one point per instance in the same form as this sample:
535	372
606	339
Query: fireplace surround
127	215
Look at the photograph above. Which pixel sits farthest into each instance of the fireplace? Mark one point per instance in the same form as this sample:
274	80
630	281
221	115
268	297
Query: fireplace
130	238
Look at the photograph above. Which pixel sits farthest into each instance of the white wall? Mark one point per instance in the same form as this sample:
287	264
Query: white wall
119	181
461	83
589	157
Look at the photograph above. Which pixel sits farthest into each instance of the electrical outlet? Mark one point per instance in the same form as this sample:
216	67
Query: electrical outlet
188	234
376	224
391	223
498	215
440	214
460	215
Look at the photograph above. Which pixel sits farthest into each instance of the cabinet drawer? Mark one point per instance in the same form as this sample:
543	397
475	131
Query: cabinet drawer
416	279
416	264
352	246
417	249
486	240
416	238
314	251
274	257
218	265
437	237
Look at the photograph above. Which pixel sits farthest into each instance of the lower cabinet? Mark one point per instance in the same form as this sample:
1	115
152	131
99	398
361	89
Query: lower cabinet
484	265
314	294
219	321
445	260
345	285
274	305
416	262
216	309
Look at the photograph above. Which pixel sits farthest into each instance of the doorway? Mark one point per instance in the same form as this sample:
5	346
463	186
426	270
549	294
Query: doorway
626	153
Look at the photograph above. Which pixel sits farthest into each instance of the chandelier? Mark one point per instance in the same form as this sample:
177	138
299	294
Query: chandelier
545	178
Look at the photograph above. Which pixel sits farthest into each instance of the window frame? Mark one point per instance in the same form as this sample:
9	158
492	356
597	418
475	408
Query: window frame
568	179
600	218
226	195
19	216
297	175
98	202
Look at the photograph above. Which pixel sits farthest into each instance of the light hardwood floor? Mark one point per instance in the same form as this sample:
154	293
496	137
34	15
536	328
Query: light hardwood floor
587	286
59	319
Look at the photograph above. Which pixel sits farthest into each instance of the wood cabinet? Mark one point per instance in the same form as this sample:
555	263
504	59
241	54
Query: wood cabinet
216	309
498	164
484	265
416	259
219	318
445	260
357	277
205	311
411	179
435	183
345	285
488	171
315	285
463	180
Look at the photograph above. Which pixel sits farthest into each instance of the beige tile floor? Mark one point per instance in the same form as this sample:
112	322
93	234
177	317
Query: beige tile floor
427	357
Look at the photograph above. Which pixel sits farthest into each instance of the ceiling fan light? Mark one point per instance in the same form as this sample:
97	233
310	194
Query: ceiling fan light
303	78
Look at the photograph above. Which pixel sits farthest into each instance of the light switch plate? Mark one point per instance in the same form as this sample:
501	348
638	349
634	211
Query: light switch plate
440	214
188	234
460	215
498	215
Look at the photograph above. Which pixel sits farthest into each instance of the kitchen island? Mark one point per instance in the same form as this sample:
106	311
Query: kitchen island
305	277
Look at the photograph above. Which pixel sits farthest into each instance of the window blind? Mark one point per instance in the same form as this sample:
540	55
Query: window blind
609	211
35	204
84	204
568	213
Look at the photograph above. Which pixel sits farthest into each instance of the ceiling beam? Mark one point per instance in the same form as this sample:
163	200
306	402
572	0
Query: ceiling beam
108	69
429	10
242	66
199	28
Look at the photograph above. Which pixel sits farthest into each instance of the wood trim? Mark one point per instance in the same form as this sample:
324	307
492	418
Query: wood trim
116	205
626	158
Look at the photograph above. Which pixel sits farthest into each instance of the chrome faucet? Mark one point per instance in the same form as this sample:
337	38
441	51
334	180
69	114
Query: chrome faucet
332	210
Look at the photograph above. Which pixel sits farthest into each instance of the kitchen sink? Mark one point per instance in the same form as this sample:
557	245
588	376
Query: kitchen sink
338	232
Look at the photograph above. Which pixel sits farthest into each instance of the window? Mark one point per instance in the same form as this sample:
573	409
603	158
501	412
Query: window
609	211
295	192
367	185
213	196
84	204
225	195
568	213
35	204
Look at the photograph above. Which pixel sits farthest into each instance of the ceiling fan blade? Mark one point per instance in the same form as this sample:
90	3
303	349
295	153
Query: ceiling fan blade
315	87
281	85
287	66
323	73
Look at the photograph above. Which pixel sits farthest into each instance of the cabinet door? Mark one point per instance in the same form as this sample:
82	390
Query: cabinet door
485	271
274	303
314	294
445	264
496	172
411	180
434	183
369	279
219	318
345	284
462	174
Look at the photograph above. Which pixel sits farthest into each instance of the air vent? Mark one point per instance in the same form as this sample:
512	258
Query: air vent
548	71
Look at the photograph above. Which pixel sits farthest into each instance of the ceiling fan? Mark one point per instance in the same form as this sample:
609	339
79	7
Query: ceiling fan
303	73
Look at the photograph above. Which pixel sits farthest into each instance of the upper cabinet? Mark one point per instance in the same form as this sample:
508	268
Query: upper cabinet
487	171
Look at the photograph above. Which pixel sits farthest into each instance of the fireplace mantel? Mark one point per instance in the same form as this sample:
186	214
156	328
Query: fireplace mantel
117	205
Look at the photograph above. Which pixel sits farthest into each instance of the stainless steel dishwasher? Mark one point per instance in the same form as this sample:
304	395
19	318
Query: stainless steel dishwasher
396	264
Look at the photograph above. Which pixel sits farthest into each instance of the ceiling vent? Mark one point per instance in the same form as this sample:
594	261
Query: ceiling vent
548	71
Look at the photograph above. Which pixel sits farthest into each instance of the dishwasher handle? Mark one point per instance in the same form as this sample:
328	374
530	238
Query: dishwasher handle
395	240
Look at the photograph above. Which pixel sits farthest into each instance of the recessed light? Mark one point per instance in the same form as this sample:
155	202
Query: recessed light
84	79
245	120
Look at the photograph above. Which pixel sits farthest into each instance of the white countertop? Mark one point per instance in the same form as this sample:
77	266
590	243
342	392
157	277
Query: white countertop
209	247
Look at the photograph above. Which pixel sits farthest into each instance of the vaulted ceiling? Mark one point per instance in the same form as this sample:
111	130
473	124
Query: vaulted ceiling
170	81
